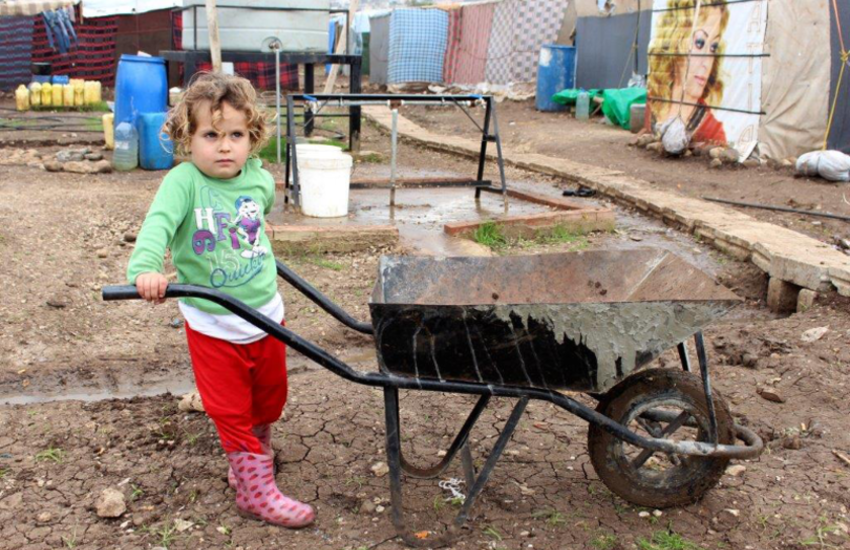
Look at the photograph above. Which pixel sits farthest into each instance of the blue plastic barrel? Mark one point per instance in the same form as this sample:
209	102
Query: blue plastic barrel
141	87
156	151
556	71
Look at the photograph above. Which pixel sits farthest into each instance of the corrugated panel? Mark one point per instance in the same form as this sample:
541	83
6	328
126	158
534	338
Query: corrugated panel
604	48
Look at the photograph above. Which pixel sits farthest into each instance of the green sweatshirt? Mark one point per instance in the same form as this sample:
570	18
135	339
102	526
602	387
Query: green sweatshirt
216	233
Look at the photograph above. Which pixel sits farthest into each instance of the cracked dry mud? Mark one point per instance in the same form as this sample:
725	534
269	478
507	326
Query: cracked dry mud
57	457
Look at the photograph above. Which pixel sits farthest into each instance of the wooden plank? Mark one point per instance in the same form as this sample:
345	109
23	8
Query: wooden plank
212	27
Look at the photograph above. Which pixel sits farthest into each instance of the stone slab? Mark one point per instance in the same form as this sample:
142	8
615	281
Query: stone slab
315	239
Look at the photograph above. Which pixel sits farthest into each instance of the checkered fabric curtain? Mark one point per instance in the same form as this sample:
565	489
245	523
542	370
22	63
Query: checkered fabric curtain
417	45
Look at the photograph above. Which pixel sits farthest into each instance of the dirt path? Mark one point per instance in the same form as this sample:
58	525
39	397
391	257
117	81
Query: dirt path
525	130
65	236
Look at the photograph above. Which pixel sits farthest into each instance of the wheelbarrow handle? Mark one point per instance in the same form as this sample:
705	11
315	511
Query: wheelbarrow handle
122	292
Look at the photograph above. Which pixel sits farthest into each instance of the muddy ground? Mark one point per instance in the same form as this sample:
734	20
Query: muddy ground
64	236
525	130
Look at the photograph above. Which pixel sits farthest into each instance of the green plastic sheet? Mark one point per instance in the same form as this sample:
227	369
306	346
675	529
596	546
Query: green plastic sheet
617	104
569	96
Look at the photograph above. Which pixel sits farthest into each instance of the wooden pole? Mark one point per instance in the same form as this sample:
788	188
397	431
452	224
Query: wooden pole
212	29
340	46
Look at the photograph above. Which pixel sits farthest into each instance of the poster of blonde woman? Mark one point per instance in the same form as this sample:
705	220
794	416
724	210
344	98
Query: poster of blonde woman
705	61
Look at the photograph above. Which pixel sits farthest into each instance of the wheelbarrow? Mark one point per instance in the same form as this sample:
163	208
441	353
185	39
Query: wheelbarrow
529	327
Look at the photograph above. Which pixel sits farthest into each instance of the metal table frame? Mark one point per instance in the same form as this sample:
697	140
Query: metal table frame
315	103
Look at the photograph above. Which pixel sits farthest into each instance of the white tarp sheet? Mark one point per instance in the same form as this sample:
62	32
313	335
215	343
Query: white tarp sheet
102	8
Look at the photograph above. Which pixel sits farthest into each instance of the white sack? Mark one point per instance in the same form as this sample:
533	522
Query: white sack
830	165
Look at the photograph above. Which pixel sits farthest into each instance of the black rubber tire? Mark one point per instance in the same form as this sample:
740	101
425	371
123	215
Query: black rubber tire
684	483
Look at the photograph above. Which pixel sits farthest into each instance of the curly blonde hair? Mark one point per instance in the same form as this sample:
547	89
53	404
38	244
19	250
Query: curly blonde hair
217	88
672	44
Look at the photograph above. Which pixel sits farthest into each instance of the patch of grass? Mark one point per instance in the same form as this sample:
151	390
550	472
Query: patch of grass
561	234
371	158
491	235
3	472
439	503
95	124
356	480
822	533
137	492
56	455
327	264
553	517
167	533
269	152
491	532
457	502
605	542
70	541
666	540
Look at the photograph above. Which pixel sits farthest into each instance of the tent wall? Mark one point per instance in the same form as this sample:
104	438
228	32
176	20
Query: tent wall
795	78
839	135
604	48
15	51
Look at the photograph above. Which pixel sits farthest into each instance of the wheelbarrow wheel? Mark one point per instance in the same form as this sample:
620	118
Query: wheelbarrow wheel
659	403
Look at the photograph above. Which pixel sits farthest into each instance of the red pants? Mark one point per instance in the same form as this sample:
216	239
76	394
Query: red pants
241	385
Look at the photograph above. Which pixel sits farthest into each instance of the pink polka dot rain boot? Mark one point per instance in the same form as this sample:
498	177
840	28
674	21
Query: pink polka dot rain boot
264	434
258	497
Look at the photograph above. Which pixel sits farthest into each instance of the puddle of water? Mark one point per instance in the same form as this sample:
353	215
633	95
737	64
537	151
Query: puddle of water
420	215
178	387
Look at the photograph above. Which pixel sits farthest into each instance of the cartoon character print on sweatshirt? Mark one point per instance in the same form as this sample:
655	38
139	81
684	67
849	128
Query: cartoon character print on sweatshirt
228	236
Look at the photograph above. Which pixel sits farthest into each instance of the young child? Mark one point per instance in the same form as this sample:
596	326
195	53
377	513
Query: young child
210	213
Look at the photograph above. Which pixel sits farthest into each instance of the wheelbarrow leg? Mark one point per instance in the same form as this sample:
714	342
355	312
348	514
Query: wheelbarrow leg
683	356
706	383
475	484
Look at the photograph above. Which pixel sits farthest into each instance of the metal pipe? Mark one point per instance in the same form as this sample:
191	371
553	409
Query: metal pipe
386	380
781	209
394	149
321	300
706	383
276	46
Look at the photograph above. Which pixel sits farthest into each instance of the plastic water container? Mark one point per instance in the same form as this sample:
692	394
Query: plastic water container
57	95
60	79
555	72
583	105
156	151
47	94
35	94
637	117
126	155
140	87
324	183
22	98
109	130
79	86
68	95
91	92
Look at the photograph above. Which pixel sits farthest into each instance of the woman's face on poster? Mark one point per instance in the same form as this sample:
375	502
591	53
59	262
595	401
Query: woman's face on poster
705	42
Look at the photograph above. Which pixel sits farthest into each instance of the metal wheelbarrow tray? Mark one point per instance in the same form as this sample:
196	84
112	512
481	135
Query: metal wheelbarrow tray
526	327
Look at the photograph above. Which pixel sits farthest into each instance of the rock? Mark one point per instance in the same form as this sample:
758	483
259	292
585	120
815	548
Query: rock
110	503
657	513
655	146
44	517
177	322
182	525
750	360
730	155
814	334
806	299
52	166
792	442
715	152
367	507
715	164
644	140
786	164
103	253
57	302
736	470
636	238
102	167
191	402
770	395
379	509
72	155
752	163
12	502
129	237
94	156
643	514
726	519
688	153
78	167
380	469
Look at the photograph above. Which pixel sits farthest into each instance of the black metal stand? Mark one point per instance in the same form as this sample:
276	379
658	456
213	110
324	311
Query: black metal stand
475	484
315	103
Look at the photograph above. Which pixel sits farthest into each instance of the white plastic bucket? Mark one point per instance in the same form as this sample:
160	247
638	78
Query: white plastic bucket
315	150
324	183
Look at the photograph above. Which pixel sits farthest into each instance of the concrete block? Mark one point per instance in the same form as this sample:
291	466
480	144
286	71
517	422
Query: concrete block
840	277
806	264
311	239
577	221
782	296
806	299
